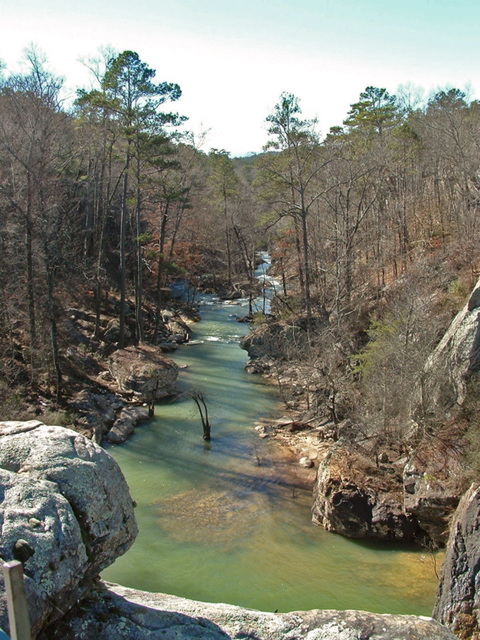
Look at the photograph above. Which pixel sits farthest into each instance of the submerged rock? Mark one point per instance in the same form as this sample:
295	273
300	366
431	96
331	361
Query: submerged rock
114	612
65	508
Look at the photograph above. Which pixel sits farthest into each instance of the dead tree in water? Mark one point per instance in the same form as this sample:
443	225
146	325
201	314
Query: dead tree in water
153	397
202	409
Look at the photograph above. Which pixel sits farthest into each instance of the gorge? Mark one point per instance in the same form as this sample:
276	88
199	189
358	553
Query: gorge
210	512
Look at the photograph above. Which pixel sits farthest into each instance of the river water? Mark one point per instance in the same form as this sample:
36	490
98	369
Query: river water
217	522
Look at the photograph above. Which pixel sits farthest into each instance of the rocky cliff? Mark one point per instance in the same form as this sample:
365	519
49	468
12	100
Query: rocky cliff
397	496
458	597
453	362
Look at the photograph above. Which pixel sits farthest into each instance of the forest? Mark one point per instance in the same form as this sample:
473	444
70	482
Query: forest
372	228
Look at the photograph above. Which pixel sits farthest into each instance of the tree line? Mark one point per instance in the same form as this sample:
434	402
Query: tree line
111	198
379	220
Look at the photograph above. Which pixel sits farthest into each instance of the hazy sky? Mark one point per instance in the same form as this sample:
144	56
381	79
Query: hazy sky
233	58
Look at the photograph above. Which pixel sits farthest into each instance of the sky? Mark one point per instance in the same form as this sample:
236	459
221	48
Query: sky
234	58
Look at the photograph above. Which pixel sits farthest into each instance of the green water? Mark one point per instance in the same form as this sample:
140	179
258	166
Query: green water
216	521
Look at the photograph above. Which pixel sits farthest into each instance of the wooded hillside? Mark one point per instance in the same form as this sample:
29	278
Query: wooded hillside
373	228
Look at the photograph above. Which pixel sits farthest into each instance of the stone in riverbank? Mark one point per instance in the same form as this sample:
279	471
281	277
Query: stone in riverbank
126	422
143	372
359	500
114	612
68	500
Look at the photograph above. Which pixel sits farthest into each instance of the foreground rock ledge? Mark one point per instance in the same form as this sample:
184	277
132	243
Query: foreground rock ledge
113	612
65	512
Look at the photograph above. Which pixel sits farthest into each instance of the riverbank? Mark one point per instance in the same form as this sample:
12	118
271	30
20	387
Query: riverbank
370	483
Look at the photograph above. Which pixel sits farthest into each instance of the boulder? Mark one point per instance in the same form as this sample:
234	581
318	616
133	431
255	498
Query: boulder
82	362
95	411
126	422
261	365
458	596
143	372
117	612
275	340
178	328
265	340
357	499
65	512
112	331
306	462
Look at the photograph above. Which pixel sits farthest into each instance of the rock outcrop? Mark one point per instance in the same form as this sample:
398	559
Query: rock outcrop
179	329
143	373
116	612
359	500
432	482
274	339
455	359
398	497
66	513
458	597
95	412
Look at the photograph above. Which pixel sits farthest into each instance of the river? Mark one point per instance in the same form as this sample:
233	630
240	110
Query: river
216	521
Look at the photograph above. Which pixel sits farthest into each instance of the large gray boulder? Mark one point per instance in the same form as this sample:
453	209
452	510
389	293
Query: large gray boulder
143	373
115	612
458	596
66	513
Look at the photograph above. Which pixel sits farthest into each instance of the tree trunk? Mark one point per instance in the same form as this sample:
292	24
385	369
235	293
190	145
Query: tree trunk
202	409
31	296
160	270
306	264
123	235
139	296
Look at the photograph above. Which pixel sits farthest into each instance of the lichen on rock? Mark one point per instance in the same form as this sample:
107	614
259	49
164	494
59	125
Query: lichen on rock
458	596
117	612
66	499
